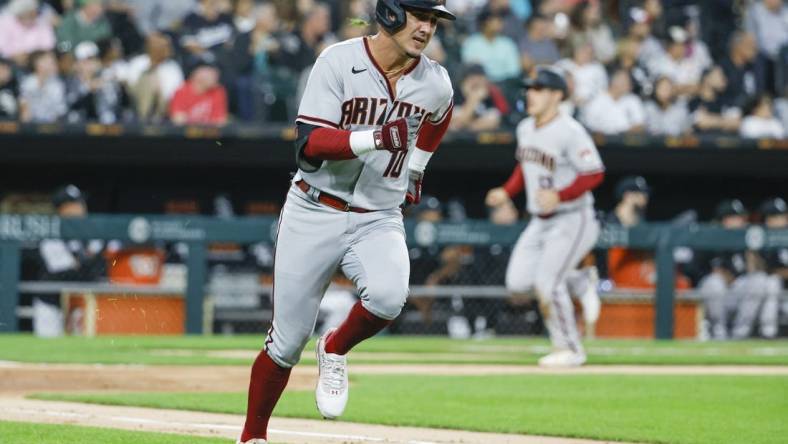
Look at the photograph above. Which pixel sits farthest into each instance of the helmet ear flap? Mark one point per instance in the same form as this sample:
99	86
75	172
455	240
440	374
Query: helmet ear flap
391	15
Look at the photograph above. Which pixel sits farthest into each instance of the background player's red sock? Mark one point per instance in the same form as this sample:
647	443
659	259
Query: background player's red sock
266	384
359	325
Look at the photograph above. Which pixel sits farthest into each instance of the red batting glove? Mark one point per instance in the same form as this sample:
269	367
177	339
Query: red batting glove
397	135
413	195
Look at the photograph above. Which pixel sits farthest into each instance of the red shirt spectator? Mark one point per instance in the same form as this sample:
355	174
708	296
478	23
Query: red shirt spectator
201	100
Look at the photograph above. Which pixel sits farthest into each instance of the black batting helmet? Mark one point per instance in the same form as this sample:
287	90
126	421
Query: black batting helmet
773	207
547	77
391	13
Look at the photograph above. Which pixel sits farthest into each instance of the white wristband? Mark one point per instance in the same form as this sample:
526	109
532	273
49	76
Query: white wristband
362	142
419	160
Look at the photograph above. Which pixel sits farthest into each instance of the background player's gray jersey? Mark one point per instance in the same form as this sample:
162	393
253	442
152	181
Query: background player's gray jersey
348	90
553	155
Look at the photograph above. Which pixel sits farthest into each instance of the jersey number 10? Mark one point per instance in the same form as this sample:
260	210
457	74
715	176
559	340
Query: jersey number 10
394	169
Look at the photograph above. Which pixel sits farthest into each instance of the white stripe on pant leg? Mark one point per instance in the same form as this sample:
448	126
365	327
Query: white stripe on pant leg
565	328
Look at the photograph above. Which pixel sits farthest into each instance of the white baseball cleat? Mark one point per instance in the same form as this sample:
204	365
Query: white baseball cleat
253	441
332	385
563	358
590	301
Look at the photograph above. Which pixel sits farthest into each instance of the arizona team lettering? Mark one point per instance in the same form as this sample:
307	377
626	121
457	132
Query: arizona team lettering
373	111
530	154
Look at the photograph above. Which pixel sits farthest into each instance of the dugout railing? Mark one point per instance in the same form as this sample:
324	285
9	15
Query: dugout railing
199	232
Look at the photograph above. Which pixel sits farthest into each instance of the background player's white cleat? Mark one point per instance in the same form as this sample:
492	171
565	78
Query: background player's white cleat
563	358
254	441
332	385
590	301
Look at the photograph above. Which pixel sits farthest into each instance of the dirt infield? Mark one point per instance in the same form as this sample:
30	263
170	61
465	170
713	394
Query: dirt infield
17	380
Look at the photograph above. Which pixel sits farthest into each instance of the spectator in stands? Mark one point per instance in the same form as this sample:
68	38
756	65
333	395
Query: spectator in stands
709	111
153	78
42	93
697	50
676	63
89	95
258	47
24	30
84	23
299	49
666	113
243	16
114	64
649	48
588	75
512	25
739	69
537	46
157	16
617	110
201	100
124	29
768	20
781	107
627	58
760	122
588	26
9	91
480	104
495	52
207	34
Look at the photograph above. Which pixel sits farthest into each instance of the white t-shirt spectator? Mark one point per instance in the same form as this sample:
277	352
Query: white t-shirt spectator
671	121
609	116
650	50
760	128
589	79
686	71
46	102
168	72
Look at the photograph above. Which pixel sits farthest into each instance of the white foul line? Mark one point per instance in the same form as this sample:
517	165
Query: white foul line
133	420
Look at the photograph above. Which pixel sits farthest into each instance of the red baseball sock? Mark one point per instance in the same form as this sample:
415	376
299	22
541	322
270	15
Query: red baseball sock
266	384
359	325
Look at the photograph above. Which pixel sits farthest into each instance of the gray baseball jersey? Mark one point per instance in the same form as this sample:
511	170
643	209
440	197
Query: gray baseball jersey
348	90
553	155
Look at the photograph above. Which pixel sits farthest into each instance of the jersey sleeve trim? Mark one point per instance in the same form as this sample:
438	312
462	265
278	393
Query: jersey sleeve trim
445	114
593	171
316	121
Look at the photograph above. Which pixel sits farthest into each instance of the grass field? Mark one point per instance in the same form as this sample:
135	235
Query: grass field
26	433
384	350
657	409
686	409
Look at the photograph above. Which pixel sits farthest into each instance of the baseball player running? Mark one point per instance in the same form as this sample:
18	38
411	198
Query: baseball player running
558	166
373	112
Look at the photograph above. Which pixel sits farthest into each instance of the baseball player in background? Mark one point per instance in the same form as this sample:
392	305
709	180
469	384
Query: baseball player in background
373	112
738	291
559	166
775	217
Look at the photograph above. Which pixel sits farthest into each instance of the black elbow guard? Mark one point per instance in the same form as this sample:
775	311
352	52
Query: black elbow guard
305	164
